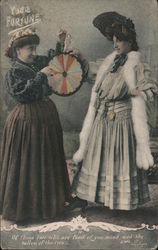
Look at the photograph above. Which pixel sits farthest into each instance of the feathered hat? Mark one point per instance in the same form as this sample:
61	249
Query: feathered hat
17	34
107	22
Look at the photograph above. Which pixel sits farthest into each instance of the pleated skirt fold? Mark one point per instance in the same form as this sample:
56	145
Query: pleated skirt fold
109	174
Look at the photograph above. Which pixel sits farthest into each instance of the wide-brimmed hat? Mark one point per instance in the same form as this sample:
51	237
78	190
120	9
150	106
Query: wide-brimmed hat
108	21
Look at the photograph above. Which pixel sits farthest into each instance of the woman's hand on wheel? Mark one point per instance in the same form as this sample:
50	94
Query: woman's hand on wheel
48	71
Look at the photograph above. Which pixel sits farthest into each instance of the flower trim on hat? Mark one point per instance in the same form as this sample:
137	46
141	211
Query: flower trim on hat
125	24
19	34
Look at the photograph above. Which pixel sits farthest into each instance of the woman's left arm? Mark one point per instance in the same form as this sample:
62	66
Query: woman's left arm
144	90
146	85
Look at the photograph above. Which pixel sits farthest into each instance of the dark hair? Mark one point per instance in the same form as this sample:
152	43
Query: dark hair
21	42
124	34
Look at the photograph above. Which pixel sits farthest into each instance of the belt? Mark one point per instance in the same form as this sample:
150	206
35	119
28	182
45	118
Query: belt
118	106
109	109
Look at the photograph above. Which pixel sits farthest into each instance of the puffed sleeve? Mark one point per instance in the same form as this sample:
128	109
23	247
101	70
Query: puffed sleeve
145	83
25	90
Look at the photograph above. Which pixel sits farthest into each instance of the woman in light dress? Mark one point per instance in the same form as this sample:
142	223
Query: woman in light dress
114	151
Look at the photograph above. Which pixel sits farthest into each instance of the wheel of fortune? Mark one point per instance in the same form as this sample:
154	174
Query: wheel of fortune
67	74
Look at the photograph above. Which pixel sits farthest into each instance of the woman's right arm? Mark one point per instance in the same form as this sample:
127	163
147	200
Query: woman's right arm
86	128
24	88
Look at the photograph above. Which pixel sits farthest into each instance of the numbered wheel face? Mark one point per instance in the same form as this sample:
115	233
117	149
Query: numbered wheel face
67	74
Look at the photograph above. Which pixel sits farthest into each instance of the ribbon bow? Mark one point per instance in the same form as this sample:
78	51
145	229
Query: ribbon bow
118	61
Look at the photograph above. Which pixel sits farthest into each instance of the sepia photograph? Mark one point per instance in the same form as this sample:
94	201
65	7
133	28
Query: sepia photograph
79	124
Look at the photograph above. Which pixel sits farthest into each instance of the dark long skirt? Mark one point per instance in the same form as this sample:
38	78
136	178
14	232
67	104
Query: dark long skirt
34	179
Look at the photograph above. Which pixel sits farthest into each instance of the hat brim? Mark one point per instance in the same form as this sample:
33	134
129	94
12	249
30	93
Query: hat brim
104	22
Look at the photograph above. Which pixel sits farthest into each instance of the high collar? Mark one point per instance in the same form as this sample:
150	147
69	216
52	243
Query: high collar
132	60
32	65
24	63
134	56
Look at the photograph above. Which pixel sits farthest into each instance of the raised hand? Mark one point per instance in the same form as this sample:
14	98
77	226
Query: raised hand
47	71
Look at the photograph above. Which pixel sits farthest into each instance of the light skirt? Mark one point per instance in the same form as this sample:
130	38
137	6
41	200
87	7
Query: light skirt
109	174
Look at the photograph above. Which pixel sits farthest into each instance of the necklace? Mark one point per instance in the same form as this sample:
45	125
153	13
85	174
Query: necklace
112	113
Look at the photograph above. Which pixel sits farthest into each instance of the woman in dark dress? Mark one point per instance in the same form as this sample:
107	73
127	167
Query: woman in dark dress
34	179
